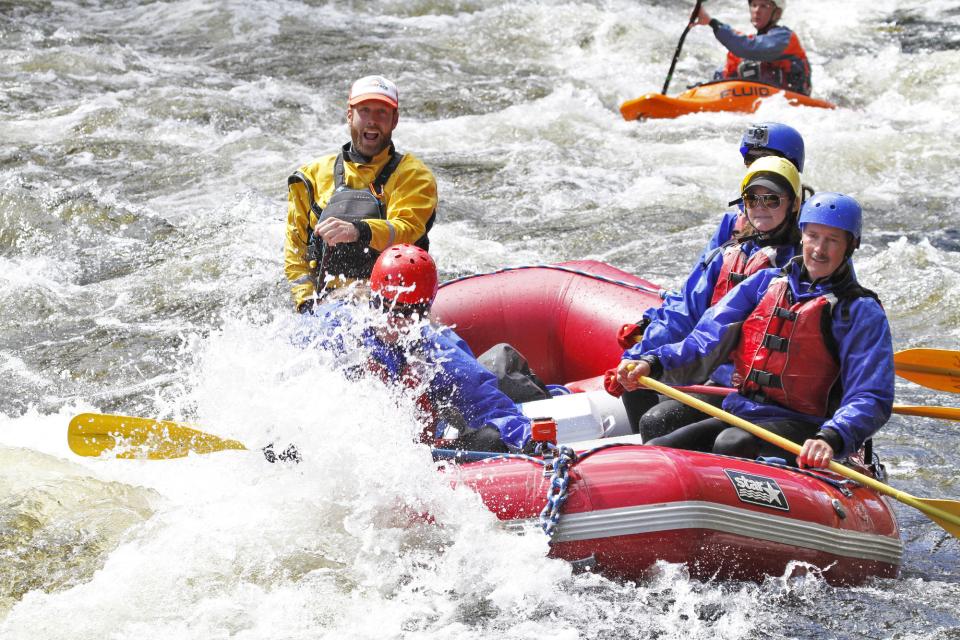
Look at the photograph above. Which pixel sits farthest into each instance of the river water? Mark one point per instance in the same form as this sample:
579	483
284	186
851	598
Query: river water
144	150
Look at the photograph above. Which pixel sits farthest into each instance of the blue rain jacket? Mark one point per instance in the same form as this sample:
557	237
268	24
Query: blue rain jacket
766	47
459	380
864	347
675	312
672	322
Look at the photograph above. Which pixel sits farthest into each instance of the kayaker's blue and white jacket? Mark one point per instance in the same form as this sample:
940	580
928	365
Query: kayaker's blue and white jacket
861	335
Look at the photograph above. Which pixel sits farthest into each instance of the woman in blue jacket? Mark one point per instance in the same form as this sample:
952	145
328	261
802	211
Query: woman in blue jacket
767	237
811	348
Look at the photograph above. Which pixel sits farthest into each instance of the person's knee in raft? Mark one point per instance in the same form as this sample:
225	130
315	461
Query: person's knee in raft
736	442
669	415
461	393
792	335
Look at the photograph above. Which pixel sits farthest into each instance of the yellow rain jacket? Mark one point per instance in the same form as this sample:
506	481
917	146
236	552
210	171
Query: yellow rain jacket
409	199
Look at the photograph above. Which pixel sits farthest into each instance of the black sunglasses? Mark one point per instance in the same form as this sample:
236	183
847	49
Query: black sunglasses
764	200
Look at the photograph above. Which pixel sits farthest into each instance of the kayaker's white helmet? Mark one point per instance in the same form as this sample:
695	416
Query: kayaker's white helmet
779	4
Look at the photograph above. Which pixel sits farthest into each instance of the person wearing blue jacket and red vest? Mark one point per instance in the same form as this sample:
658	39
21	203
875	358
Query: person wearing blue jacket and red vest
770	238
405	349
811	348
773	55
760	140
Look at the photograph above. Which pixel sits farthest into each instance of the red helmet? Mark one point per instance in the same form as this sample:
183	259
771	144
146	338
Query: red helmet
405	274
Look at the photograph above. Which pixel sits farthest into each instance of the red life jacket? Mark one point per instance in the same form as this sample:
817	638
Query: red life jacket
737	267
784	354
790	71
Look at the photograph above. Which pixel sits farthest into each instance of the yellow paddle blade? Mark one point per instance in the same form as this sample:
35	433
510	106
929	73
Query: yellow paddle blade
935	368
92	434
945	513
944	413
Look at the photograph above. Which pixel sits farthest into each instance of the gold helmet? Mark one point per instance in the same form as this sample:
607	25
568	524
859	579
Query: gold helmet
780	167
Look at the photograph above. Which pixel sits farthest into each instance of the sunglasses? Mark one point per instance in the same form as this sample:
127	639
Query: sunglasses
764	200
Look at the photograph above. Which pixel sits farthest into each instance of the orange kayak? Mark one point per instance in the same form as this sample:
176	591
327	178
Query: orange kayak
724	95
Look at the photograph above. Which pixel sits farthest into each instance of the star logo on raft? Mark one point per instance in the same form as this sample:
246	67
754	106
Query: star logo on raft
758	490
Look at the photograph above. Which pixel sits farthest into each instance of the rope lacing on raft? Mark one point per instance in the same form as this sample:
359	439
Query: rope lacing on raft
557	267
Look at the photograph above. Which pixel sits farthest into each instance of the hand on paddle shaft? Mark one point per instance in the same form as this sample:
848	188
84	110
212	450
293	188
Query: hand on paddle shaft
676	54
629	373
701	18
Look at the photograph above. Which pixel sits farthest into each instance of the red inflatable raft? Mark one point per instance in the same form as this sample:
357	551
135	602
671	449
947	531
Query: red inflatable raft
627	505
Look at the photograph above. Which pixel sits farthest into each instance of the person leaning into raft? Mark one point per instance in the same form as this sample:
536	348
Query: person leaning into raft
811	349
347	207
406	346
771	238
773	55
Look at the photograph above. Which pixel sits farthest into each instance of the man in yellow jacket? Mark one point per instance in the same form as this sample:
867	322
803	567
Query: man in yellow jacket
347	207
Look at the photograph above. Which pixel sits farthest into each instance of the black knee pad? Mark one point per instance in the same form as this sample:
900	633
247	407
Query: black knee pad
736	442
484	439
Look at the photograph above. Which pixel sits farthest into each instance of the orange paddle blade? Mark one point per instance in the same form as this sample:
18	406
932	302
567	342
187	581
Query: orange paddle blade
934	368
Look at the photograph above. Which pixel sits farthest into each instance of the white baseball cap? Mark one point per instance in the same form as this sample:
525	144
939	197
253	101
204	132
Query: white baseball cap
374	88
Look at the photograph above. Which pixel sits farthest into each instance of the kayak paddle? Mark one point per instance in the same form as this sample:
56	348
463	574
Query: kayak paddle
676	54
934	368
945	513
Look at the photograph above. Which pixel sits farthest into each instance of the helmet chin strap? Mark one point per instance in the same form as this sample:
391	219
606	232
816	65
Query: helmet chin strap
774	18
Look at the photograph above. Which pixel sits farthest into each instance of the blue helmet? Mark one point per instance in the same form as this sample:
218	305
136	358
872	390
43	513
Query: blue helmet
782	139
833	210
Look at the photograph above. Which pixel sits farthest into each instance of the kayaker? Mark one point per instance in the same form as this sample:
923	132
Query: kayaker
812	351
347	207
771	238
406	349
773	55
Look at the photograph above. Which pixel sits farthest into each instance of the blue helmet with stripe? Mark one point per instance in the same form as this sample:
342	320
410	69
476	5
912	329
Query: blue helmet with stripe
833	210
781	139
